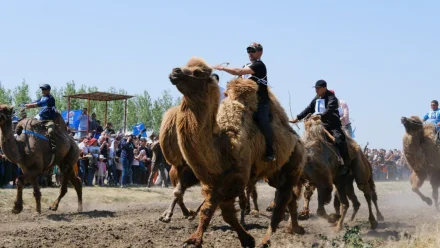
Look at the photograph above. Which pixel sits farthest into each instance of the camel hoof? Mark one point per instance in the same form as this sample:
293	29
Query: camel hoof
428	201
248	242
380	217
192	242
269	209
255	213
333	218
17	210
373	224
80	209
337	229
53	208
165	218
265	244
297	230
303	216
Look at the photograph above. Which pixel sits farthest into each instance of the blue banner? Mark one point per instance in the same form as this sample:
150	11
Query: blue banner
138	129
72	118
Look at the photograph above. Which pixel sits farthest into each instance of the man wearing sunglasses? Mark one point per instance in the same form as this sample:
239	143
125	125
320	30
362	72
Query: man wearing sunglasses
256	71
47	113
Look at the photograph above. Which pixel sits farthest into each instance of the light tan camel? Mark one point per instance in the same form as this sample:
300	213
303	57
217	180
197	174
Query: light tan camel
31	151
423	155
225	148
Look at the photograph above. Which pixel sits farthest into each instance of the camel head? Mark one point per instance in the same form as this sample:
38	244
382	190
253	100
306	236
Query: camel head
6	113
412	125
193	77
314	129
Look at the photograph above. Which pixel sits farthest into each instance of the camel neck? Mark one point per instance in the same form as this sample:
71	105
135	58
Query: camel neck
9	144
196	125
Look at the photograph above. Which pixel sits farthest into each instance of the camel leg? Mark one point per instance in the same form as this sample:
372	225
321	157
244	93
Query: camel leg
417	180
435	184
344	203
324	197
308	192
283	196
367	193
228	213
179	191
243	202
63	190
374	198
271	206
18	203
353	198
37	194
293	208
207	210
256	210
77	184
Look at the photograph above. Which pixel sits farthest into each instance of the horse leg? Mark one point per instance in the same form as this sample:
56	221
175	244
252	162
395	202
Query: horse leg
228	213
417	180
308	192
37	194
77	184
207	210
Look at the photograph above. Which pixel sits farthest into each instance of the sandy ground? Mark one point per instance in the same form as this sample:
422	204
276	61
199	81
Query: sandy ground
115	217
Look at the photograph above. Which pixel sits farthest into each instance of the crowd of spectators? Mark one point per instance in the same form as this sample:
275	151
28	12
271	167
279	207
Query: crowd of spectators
106	158
388	165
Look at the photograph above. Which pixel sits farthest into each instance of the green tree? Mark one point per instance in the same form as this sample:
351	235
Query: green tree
5	95
21	94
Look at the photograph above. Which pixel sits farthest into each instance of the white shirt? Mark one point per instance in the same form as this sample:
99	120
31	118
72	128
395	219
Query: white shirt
344	113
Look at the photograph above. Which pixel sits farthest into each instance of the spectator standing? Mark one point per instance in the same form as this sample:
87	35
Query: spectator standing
84	150
93	124
93	156
102	168
135	166
83	124
127	156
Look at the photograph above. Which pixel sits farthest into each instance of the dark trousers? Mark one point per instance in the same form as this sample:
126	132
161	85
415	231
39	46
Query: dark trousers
263	115
340	143
161	168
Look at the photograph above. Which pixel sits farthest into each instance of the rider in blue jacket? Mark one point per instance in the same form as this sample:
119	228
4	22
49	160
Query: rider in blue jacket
434	115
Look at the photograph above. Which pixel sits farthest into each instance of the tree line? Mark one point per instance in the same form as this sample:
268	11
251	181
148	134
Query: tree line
141	108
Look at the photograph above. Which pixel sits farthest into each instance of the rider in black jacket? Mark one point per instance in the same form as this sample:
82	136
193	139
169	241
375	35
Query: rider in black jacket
325	107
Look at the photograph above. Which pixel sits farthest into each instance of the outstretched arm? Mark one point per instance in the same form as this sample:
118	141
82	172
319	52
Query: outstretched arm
235	71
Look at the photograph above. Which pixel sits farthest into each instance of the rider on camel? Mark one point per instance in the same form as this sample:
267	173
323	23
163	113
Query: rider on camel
256	71
325	107
47	113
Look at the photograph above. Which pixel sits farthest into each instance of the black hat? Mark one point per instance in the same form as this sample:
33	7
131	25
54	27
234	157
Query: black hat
321	84
214	75
45	87
256	46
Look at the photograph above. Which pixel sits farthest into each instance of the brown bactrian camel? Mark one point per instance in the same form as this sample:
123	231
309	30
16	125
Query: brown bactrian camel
423	155
181	175
31	151
321	171
225	149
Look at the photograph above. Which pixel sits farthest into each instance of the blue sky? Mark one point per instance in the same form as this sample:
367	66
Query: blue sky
379	56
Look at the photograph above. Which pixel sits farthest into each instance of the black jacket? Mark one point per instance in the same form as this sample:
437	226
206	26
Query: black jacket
330	117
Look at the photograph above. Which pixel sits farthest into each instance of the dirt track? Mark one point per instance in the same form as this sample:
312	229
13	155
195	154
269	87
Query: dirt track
115	217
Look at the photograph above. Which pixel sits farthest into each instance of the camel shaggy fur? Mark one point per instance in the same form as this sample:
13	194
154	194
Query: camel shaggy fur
225	148
33	155
423	155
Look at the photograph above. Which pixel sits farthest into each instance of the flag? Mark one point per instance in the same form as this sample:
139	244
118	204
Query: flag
137	129
72	118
